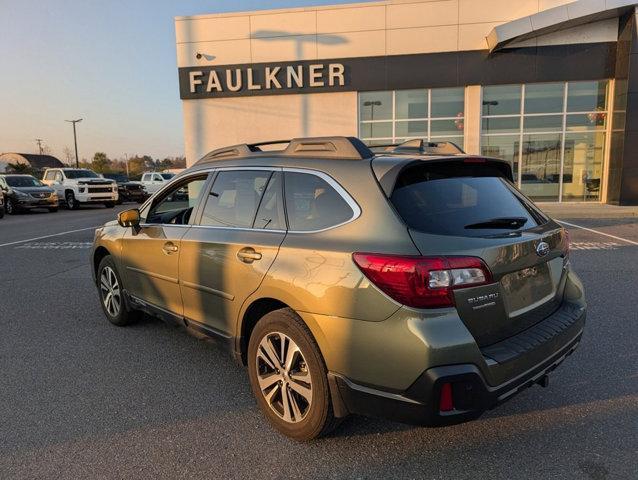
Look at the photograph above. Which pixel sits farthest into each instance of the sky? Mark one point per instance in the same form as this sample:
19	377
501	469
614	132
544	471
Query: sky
110	62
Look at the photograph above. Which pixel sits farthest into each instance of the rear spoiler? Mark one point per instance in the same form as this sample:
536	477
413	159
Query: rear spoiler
387	169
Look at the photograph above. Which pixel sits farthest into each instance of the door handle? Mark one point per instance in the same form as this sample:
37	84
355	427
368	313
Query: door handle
170	247
248	255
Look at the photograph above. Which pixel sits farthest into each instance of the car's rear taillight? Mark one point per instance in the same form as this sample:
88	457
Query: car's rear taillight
422	282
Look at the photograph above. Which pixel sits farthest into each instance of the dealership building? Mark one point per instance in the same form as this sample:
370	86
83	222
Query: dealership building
549	85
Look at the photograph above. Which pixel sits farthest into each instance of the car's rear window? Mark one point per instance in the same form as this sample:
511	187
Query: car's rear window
453	198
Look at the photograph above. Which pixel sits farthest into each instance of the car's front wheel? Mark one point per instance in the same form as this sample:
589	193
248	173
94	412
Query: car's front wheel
109	204
288	376
112	294
10	207
71	202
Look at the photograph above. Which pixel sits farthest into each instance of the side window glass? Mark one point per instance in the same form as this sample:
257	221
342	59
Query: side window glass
312	204
145	177
234	198
270	215
58	176
49	175
176	206
157	178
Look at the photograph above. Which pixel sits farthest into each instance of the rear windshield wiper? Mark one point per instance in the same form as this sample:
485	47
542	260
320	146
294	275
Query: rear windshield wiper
502	222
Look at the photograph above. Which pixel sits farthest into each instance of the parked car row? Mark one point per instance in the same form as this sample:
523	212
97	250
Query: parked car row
72	187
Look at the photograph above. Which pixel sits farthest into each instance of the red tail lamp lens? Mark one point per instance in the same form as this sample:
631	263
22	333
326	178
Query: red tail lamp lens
422	282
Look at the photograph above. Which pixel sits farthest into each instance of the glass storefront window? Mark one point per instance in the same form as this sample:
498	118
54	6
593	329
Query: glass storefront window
553	129
377	130
544	98
375	106
502	146
540	166
543	123
502	124
447	102
446	127
583	167
418	128
587	96
502	100
396	116
586	121
411	104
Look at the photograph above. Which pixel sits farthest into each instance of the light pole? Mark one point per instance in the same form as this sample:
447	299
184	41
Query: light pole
75	140
39	142
372	104
126	157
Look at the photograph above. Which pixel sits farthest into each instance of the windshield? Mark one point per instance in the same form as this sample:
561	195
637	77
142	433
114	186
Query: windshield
118	177
25	181
80	174
167	176
470	201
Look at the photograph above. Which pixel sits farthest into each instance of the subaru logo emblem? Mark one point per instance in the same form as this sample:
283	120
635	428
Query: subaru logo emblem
542	249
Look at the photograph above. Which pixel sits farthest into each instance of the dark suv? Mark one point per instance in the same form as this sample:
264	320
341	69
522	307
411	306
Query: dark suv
128	191
422	288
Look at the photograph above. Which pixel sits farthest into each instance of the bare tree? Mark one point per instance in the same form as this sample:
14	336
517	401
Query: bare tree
69	157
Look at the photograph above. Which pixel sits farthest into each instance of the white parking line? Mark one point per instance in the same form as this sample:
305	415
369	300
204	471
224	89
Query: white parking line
46	236
596	231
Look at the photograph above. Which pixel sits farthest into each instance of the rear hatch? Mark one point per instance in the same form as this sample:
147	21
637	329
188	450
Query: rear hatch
469	207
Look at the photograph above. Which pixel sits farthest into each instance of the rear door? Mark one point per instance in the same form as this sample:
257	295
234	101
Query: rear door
226	255
470	208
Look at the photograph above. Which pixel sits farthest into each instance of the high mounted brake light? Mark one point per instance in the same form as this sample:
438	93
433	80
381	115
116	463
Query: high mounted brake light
474	160
422	282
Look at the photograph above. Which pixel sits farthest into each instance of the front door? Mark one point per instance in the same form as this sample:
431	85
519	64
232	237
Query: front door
226	255
151	254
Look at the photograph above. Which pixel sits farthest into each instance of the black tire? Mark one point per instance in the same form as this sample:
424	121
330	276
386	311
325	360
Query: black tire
109	204
318	420
53	209
71	202
10	207
123	316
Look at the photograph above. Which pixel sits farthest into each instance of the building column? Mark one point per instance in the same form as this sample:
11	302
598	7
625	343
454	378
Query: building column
622	177
472	143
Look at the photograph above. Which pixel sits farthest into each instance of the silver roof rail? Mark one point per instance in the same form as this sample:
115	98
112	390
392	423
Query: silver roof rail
346	148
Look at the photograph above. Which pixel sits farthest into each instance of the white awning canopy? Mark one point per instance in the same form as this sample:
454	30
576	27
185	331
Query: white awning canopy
552	20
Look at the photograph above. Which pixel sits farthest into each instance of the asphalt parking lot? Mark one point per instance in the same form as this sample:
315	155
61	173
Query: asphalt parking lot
80	398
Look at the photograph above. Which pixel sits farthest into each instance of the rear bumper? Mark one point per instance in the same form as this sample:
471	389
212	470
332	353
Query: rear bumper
471	392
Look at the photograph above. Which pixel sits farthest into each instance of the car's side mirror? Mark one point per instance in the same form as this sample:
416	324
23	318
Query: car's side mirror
129	218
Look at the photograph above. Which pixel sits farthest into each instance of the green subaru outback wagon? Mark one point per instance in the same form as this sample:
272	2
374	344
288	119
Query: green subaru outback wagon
416	283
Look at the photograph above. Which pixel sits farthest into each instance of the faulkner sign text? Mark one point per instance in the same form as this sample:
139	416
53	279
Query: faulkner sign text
261	79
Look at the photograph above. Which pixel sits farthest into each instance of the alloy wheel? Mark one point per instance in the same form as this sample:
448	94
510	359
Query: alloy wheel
110	288
9	207
283	376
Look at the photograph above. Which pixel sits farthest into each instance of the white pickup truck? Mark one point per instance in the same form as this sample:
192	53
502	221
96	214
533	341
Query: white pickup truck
77	186
153	181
